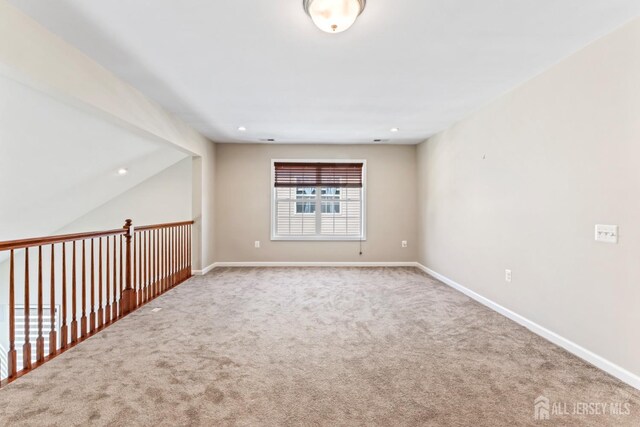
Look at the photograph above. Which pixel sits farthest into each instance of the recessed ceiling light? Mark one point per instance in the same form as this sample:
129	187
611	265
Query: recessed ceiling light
242	128
123	171
394	129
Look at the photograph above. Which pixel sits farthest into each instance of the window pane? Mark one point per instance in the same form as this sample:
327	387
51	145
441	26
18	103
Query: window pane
330	193
345	221
306	193
305	207
330	207
289	223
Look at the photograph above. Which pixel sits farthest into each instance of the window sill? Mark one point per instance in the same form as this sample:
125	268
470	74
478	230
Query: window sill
318	239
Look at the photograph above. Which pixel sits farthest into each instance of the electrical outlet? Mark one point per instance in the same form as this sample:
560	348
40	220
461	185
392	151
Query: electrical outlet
257	244
606	233
507	275
405	244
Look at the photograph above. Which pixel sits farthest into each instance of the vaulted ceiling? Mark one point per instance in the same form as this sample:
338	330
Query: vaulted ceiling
58	162
416	65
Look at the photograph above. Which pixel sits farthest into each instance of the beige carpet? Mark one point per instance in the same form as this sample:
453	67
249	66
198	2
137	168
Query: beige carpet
311	346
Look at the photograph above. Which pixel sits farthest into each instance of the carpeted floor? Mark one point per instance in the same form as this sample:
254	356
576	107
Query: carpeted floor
313	346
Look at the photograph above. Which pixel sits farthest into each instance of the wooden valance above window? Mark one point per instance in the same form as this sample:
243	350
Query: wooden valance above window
318	175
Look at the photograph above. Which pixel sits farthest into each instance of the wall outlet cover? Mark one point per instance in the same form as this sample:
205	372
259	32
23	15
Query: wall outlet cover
606	233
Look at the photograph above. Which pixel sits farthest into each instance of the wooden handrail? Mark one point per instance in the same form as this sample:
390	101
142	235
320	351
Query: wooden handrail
167	225
41	241
140	264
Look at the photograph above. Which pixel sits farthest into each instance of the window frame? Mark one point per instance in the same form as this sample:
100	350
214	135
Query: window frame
315	237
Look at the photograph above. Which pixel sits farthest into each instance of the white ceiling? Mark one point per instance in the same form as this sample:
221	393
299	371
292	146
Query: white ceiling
58	163
419	65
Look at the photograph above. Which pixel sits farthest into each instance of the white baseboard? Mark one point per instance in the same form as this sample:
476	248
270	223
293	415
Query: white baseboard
611	368
303	264
204	270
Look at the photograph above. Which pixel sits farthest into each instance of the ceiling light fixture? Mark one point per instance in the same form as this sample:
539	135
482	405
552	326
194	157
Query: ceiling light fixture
334	16
394	129
242	128
122	171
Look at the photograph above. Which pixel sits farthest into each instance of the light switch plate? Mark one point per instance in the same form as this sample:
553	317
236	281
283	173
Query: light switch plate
606	233
256	244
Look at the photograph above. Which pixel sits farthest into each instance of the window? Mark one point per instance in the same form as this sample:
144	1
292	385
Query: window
309	193
318	200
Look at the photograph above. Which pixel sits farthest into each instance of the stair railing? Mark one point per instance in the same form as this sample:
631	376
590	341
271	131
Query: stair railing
94	279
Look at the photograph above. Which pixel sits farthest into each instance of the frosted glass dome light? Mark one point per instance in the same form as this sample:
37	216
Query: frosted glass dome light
334	16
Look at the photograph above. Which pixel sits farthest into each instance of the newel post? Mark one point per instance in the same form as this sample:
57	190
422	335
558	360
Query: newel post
128	293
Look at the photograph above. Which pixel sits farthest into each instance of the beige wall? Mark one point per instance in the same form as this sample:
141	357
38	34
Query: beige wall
521	184
243	177
205	225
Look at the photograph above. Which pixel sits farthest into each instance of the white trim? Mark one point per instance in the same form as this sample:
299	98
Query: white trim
300	264
600	362
318	238
303	264
203	271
